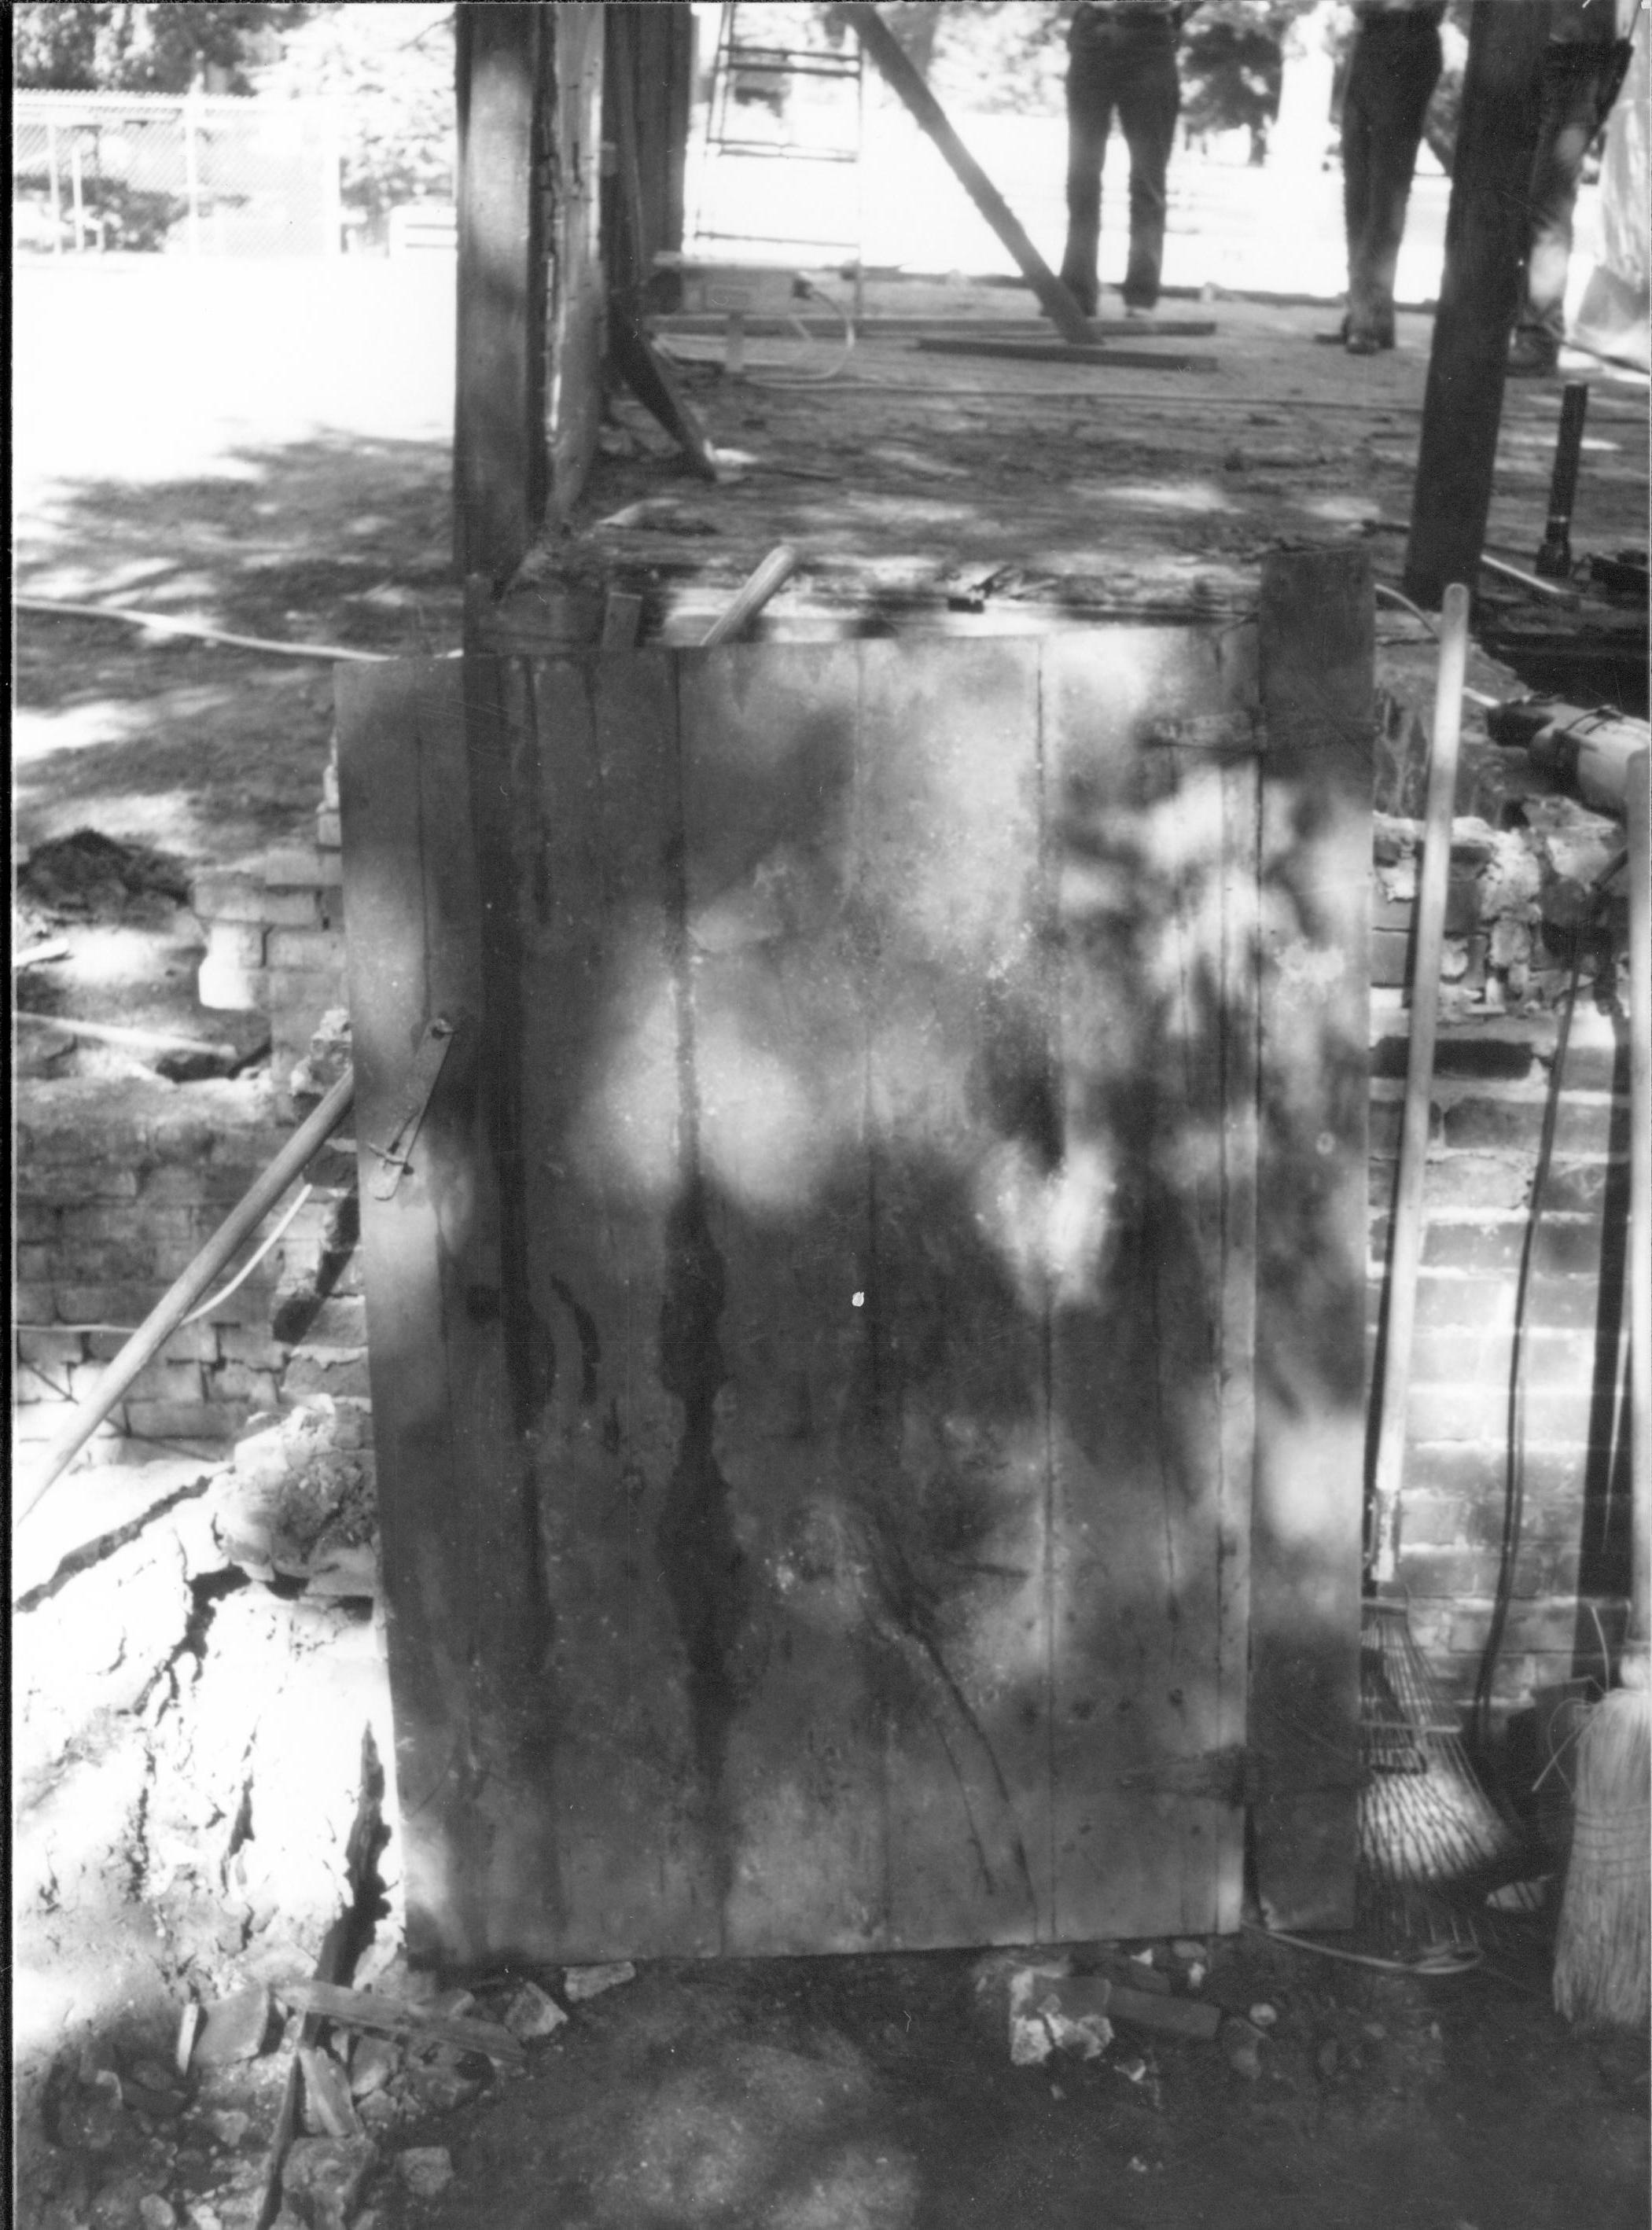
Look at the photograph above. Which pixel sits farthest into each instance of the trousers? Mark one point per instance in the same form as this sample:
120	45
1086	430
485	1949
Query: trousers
1395	68
1578	82
1127	70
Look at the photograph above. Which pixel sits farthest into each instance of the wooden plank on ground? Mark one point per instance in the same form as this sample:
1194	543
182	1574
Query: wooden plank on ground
1126	359
1315	663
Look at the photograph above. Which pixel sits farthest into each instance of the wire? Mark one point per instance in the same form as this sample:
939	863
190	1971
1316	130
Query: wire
1406	604
1393	596
282	1223
329	652
1514	1490
1429	1962
797	374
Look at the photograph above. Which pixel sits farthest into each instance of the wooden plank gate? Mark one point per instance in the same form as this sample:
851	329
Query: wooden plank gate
867	1335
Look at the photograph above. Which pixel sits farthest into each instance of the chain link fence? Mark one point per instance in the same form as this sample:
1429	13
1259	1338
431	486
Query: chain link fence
192	175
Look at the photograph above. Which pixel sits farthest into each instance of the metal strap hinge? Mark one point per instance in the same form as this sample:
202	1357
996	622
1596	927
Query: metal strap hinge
393	1156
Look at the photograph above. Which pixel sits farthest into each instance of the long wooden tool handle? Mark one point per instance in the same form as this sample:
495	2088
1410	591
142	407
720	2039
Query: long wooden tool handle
750	598
1407	1252
1640	1230
176	1303
882	44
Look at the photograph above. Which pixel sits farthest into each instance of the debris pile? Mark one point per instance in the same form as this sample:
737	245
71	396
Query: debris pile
304	2101
297	1502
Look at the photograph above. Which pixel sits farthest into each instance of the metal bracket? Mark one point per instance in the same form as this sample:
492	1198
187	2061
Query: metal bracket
393	1156
1226	735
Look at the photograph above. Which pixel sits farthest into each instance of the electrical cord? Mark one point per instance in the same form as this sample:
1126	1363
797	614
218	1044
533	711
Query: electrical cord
1393	597
331	652
798	373
1438	1960
1514	1489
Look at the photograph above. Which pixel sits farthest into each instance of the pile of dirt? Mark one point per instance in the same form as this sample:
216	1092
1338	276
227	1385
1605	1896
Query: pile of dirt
89	877
108	955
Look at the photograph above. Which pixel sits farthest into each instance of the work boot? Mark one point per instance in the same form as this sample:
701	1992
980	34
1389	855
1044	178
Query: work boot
1534	356
1363	336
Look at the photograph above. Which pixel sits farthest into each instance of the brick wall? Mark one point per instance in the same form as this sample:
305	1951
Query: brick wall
275	938
1519	907
118	1184
1491	1080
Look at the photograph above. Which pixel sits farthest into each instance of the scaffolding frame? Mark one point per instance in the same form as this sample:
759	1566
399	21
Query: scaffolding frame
741	71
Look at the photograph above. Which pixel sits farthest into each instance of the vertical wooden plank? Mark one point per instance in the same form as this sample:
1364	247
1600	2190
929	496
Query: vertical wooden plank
594	797
775	982
499	459
1486	235
949	1429
648	83
1236	1363
1315	654
414	953
1146	1218
577	306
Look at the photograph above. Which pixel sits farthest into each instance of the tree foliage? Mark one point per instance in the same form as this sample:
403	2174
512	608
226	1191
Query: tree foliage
391	70
65	45
1011	54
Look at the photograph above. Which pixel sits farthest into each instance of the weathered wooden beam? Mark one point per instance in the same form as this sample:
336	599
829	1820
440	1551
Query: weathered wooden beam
1315	655
500	465
577	306
880	44
1486	234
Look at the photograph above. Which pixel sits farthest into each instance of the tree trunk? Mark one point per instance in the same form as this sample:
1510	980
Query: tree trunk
1486	238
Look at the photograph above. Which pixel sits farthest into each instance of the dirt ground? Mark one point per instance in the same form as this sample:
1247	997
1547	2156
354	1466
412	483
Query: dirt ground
793	2093
905	475
786	2094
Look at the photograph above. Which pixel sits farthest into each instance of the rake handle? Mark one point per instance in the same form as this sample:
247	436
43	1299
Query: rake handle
1406	1257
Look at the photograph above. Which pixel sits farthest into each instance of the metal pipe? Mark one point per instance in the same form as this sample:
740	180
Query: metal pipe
1508	572
1640	1219
1554	560
176	1303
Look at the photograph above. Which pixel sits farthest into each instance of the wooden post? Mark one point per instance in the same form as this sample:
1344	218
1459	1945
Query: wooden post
55	187
188	113
880	44
1316	652
1486	238
499	460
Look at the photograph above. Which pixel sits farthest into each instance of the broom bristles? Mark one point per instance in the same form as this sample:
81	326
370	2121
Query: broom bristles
1603	1960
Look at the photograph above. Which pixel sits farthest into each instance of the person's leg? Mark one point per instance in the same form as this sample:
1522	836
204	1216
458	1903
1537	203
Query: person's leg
1358	131
1412	56
1089	113
1573	82
1150	97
